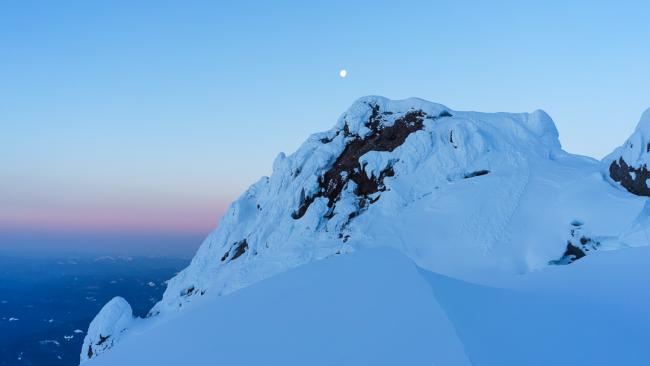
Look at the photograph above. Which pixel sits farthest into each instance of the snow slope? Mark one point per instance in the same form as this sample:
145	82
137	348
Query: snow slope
468	195
593	312
374	307
364	317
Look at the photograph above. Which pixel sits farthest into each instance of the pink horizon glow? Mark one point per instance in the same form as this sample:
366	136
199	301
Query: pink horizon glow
168	219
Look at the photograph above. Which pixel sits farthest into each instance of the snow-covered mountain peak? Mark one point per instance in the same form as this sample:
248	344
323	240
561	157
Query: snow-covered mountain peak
464	194
539	123
380	153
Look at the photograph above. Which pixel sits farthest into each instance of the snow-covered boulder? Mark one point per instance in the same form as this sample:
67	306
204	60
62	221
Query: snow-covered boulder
107	328
628	164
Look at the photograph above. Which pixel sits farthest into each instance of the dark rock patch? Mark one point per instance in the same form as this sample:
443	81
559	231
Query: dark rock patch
188	291
571	254
451	139
477	173
240	248
102	339
347	168
236	251
326	140
632	179
577	246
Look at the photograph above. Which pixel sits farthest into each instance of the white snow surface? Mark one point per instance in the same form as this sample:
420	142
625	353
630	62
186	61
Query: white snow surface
477	202
375	307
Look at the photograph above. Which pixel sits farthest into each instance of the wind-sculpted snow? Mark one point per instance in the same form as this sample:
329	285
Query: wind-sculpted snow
463	194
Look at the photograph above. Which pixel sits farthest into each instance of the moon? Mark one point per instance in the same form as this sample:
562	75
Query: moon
343	73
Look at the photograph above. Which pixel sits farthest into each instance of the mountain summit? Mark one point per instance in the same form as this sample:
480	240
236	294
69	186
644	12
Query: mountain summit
441	199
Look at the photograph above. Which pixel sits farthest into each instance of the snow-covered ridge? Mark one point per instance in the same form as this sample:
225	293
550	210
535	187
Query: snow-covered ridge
460	193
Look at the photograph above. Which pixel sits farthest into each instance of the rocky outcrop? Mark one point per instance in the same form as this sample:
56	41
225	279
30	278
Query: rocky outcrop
631	178
627	166
347	166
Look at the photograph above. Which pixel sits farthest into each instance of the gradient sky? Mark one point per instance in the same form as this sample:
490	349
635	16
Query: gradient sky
130	126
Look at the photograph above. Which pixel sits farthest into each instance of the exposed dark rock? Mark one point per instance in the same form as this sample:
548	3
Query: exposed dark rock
477	173
347	168
451	139
570	255
236	250
632	179
188	291
573	252
102	339
240	248
326	140
577	245
90	351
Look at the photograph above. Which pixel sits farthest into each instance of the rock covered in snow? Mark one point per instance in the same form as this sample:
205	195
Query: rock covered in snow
107	327
628	164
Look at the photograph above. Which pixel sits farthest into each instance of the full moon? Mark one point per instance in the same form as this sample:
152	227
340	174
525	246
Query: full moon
343	73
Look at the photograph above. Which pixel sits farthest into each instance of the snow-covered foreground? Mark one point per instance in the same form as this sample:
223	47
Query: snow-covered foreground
593	312
375	307
488	199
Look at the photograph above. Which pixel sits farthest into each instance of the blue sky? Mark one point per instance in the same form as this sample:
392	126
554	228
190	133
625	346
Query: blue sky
147	118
